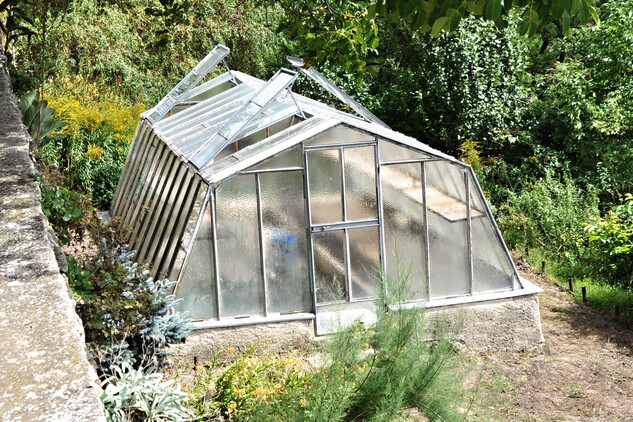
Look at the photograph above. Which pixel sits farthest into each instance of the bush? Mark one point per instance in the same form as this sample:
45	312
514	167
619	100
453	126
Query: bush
548	213
68	212
125	312
94	146
136	395
610	243
364	374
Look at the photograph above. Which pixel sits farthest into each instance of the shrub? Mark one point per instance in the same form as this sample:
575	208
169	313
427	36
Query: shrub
364	374
94	146
125	312
610	243
548	213
136	395
68	212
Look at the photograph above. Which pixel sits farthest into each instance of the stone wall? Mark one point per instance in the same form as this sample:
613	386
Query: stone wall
44	371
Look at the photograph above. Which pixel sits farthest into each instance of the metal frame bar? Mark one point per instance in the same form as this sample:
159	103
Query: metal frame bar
410	161
309	241
381	225
339	145
469	234
348	265
279	170
216	267
425	219
260	222
320	228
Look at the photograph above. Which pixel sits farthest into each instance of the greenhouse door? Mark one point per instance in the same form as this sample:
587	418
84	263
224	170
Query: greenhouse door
345	235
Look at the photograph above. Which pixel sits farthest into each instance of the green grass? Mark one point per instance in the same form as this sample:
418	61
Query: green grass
600	295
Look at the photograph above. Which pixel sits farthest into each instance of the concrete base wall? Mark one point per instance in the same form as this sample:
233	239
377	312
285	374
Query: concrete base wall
273	337
505	324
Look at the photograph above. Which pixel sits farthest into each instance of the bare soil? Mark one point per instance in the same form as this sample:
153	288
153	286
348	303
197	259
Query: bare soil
583	371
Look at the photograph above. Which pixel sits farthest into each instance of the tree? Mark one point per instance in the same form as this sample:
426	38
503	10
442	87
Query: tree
347	29
15	22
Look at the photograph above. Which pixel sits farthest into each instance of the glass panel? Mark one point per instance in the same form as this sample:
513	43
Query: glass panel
289	158
238	121
360	183
448	178
197	288
491	267
390	151
241	284
403	219
364	255
324	180
340	135
329	266
273	87
192	78
448	245
285	249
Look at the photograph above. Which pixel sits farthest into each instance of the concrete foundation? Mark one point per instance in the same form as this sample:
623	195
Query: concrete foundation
504	324
273	337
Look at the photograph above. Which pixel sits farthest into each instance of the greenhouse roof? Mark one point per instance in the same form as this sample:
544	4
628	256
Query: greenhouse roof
199	122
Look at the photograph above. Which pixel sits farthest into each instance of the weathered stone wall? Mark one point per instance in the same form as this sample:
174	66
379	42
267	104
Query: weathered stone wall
44	371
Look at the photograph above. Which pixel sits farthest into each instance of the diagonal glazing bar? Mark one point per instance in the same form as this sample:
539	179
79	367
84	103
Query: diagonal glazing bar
227	133
193	77
331	87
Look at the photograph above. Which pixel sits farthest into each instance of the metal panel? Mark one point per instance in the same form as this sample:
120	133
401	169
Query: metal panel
183	232
205	111
278	83
146	187
130	161
193	77
160	203
151	204
139	186
167	213
169	224
142	144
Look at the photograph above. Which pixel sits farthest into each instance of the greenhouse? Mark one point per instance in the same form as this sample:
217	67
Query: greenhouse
268	206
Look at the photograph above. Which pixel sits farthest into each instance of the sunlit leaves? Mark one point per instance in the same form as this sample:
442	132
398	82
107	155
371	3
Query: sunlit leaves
347	30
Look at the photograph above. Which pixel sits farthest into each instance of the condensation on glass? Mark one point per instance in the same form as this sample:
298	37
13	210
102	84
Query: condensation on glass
448	229
198	293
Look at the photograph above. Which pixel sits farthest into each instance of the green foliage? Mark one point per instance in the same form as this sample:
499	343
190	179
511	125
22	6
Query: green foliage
363	374
39	119
15	22
606	297
548	213
137	395
64	210
128	54
610	243
346	31
125	312
92	149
